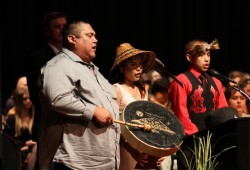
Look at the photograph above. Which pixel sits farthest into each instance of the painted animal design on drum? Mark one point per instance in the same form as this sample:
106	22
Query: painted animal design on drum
153	121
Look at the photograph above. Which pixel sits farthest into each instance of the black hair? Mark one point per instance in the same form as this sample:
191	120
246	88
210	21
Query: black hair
72	27
52	16
160	85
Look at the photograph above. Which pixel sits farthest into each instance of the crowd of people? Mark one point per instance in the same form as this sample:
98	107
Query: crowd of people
63	113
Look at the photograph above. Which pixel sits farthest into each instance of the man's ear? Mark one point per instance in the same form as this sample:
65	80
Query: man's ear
188	57
71	39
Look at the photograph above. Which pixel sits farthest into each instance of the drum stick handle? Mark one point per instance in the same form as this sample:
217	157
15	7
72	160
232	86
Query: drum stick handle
129	124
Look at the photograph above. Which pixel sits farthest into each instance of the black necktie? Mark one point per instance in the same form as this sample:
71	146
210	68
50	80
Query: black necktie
202	77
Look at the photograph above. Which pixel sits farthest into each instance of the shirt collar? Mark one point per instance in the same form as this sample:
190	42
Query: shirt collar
76	58
195	72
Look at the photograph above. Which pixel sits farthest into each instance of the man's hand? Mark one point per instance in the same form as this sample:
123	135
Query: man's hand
102	117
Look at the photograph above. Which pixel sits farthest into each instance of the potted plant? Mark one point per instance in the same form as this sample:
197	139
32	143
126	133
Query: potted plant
204	157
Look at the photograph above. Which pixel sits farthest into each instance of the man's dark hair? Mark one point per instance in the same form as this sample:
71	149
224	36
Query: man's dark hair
72	27
51	16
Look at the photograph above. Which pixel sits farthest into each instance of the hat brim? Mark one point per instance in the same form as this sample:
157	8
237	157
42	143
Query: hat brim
148	59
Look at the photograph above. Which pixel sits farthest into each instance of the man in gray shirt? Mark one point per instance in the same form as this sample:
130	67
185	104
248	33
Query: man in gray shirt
78	107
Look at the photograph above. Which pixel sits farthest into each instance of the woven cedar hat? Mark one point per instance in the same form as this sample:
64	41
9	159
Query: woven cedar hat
125	51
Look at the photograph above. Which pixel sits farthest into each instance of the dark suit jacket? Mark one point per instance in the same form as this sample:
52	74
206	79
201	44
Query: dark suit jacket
37	60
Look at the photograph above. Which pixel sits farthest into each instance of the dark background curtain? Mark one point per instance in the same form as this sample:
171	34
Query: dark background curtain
161	26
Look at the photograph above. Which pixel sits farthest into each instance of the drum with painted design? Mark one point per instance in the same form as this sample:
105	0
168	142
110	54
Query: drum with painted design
166	132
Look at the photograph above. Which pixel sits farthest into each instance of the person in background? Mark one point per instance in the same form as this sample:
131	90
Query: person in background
236	75
78	107
20	120
11	152
130	63
21	83
53	23
3	121
159	95
153	75
146	81
238	101
199	94
159	91
245	86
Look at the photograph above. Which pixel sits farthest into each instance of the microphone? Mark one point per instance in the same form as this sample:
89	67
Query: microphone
221	77
160	68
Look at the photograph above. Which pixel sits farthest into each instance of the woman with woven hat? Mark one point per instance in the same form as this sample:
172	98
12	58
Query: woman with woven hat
130	63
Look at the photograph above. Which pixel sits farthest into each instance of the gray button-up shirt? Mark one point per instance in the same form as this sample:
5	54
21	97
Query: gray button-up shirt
71	89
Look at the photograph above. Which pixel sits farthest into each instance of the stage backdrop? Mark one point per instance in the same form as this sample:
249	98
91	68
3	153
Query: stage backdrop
161	26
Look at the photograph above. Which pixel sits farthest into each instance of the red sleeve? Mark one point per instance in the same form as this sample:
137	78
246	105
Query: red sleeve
178	97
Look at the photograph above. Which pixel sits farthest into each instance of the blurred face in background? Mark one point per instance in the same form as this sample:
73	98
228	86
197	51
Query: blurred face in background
54	30
247	87
26	100
238	101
